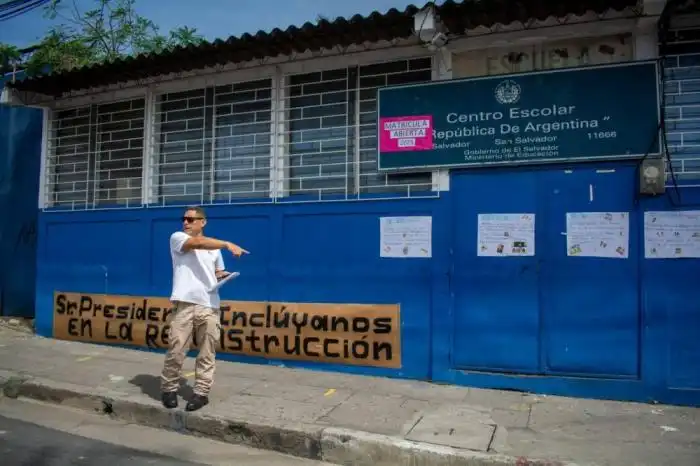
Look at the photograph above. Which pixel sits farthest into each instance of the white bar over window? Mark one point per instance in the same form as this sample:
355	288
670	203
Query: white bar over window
67	168
119	153
331	131
242	141
179	143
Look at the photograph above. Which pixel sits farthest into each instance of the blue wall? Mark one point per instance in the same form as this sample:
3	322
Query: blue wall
299	253
623	329
20	159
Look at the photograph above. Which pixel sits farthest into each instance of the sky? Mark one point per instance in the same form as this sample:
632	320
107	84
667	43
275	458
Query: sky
212	18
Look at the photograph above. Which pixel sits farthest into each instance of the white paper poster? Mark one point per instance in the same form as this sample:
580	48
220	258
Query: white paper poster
406	236
598	234
506	235
672	235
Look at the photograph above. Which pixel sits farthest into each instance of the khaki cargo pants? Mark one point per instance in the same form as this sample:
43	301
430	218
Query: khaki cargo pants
187	319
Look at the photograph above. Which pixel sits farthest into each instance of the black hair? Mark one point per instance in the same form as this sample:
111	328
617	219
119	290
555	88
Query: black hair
200	212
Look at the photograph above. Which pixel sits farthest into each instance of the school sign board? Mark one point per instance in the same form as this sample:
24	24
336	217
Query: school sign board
578	114
352	334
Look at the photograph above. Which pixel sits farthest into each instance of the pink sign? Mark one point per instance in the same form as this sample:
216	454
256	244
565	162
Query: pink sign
407	133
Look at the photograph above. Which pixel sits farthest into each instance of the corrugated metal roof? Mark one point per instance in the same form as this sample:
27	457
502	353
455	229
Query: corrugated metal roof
458	16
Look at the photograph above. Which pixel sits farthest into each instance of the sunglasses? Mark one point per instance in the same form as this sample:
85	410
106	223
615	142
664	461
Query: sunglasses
191	219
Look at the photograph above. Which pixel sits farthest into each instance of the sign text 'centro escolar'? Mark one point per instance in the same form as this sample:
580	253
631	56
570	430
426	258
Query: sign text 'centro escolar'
356	334
588	113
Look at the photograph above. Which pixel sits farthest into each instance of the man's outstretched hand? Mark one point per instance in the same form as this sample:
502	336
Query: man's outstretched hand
236	250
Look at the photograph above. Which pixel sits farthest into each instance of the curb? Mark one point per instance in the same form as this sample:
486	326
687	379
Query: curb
328	444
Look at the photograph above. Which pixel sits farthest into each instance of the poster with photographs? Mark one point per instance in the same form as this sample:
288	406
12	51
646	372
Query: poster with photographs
598	234
506	235
672	235
406	237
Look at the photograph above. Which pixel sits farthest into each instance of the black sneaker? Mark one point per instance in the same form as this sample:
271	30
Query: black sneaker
169	400
197	402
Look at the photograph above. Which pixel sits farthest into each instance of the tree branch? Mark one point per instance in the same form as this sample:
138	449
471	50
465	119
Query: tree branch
111	30
98	35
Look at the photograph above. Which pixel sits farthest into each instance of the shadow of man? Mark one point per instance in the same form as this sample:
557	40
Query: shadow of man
150	386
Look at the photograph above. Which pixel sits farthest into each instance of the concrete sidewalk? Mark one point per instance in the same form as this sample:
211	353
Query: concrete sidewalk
354	420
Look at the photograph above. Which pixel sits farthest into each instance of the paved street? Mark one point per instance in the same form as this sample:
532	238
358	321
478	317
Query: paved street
23	443
33	434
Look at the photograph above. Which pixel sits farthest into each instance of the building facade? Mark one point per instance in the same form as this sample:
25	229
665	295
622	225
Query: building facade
277	136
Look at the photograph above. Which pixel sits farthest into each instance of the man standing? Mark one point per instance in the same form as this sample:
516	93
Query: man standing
197	267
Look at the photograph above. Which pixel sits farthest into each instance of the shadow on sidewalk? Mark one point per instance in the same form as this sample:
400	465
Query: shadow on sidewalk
150	386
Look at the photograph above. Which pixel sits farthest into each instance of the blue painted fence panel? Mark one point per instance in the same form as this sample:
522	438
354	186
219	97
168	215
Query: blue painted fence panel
20	160
496	318
299	253
590	305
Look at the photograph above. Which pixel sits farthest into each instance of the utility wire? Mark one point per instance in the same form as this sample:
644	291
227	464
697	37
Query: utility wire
12	4
19	7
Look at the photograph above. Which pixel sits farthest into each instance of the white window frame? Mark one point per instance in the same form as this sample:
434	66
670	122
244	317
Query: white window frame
440	178
148	195
103	98
279	182
44	195
279	170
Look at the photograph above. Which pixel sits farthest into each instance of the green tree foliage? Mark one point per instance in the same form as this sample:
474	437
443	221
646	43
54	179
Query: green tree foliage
9	56
111	30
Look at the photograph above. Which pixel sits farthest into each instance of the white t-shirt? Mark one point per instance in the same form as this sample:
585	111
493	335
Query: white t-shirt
194	272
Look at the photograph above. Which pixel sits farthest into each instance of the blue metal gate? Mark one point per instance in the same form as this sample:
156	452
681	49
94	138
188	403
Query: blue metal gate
549	313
